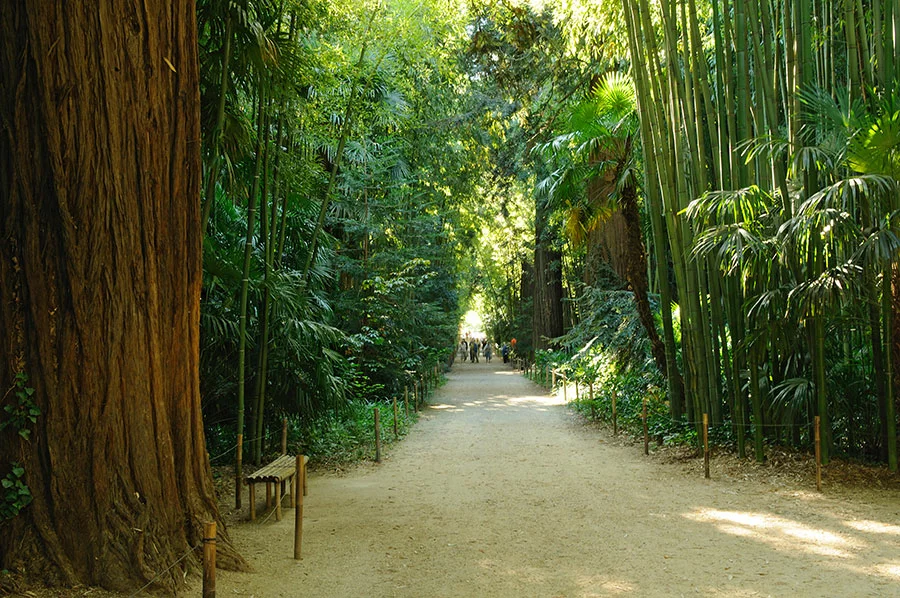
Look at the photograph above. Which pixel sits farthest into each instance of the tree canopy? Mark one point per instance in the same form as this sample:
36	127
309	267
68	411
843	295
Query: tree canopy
693	201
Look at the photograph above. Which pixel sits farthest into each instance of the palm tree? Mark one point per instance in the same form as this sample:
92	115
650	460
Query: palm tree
597	189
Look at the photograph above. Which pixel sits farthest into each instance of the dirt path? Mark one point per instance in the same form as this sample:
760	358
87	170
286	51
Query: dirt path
499	491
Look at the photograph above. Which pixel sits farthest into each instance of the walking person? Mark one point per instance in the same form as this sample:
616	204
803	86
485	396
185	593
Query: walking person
473	351
488	351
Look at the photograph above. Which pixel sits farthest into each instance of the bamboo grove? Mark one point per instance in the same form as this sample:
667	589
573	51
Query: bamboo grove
768	131
730	166
726	168
333	176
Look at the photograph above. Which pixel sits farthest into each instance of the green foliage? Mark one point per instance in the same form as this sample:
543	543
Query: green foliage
16	495
349	435
22	411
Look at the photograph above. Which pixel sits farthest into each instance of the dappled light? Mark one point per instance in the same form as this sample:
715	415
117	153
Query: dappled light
875	527
840	547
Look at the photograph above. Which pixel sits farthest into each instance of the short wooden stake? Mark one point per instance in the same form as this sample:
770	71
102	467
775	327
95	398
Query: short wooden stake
377	435
553	379
818	454
646	436
416	396
406	400
706	446
209	560
577	392
238	471
614	414
284	437
298	508
565	383
279	495
591	398
396	429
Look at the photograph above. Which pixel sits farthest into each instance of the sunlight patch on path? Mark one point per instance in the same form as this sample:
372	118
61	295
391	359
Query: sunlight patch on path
790	536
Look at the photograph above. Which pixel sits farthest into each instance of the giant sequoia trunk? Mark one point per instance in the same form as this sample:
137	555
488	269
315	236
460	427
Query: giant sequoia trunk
547	322
99	288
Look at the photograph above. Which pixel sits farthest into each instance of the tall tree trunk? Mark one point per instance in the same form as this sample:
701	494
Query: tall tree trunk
100	289
547	320
636	273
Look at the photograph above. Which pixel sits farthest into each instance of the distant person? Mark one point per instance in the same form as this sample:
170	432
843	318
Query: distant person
505	353
513	344
473	351
488	351
464	349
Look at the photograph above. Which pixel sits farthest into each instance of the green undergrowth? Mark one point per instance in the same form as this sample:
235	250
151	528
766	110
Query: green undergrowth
349	436
335	438
610	348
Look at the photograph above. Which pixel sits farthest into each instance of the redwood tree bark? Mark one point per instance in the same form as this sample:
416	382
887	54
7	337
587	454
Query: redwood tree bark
99	288
547	321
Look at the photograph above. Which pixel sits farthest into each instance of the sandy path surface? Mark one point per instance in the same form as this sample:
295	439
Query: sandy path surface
499	491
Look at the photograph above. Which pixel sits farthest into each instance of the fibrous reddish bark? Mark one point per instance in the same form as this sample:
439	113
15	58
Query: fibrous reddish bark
547	319
100	276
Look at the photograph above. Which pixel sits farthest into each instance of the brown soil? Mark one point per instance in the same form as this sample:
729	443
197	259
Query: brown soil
500	491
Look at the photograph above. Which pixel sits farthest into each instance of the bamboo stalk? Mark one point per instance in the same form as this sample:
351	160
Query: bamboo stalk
238	471
706	445
209	559
284	430
818	440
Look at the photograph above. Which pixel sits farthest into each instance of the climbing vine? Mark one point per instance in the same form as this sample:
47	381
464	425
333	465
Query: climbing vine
21	412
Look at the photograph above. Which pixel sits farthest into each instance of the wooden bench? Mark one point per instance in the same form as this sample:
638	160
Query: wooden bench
278	472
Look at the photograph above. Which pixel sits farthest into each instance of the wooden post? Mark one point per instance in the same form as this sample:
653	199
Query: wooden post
396	429
591	398
377	435
818	454
252	490
279	495
284	437
238	470
553	379
706	446
646	436
565	383
577	391
209	560
406	400
298	508
303	482
416	396
615	420
268	495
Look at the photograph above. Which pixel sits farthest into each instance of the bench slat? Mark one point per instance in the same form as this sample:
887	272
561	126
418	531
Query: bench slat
279	470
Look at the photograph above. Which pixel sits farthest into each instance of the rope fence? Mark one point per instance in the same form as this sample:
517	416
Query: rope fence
548	374
166	570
